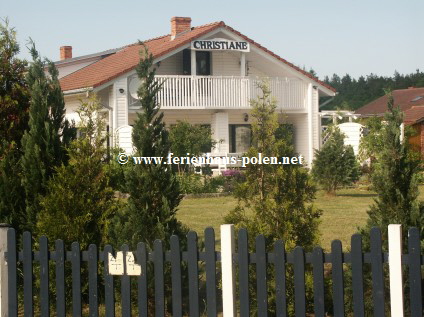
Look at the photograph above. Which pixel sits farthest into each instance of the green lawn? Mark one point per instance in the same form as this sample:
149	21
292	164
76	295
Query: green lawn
341	217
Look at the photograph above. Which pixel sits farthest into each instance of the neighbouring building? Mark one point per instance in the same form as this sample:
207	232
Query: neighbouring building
411	102
209	74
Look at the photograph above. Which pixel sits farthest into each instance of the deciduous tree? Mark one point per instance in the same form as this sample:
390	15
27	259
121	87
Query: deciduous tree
14	104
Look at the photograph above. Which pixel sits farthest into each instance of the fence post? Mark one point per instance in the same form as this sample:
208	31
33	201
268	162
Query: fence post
4	296
395	270
228	276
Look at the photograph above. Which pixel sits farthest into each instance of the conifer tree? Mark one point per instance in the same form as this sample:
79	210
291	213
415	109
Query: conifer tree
335	164
278	195
80	203
394	177
14	104
153	188
47	136
275	200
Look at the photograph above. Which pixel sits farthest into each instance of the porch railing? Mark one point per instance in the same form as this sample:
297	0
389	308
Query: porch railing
225	92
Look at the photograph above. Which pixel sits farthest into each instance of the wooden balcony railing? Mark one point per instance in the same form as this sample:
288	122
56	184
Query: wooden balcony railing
226	92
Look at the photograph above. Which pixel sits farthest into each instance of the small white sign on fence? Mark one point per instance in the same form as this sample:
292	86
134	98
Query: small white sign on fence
116	264
132	267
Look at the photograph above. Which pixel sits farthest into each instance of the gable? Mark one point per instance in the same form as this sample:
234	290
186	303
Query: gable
126	59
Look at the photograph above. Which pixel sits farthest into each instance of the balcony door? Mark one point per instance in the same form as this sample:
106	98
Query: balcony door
203	63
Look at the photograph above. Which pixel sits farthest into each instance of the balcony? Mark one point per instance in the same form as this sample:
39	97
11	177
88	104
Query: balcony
224	92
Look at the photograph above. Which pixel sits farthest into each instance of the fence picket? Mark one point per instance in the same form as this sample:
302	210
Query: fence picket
337	275
142	281
377	272
261	276
243	263
299	282
125	287
210	272
193	274
318	273
415	278
76	279
109	287
27	259
44	277
12	287
177	302
357	259
280	278
60	279
93	297
159	279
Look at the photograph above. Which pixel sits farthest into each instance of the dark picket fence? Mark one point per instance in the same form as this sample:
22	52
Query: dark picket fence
202	264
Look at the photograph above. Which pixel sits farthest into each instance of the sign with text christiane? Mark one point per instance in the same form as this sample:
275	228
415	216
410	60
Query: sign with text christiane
220	45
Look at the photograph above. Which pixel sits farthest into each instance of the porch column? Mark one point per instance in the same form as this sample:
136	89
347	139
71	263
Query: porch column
243	64
220	132
193	62
310	126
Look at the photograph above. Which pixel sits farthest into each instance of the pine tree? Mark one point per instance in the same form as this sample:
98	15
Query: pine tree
278	195
14	104
335	164
45	140
275	200
394	177
153	188
80	203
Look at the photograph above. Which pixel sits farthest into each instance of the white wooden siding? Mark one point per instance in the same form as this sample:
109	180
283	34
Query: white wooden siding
225	63
300	123
172	65
315	120
121	102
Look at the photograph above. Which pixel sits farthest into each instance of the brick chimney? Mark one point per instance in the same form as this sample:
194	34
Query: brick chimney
179	25
65	52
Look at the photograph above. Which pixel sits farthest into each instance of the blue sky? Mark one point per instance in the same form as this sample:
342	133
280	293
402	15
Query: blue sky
355	37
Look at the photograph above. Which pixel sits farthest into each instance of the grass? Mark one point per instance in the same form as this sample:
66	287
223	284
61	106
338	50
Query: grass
342	214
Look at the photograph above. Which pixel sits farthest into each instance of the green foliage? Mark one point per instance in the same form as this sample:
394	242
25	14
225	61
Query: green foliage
190	183
14	101
355	93
80	203
395	175
335	164
189	138
280	196
48	135
14	104
154	189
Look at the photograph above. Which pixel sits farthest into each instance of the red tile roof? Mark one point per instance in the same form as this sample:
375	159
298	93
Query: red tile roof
404	98
414	114
127	59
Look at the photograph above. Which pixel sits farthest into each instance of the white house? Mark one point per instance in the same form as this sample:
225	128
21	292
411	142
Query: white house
209	74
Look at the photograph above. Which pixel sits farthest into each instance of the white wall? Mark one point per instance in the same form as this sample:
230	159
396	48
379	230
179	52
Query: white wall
300	123
353	133
172	65
121	102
